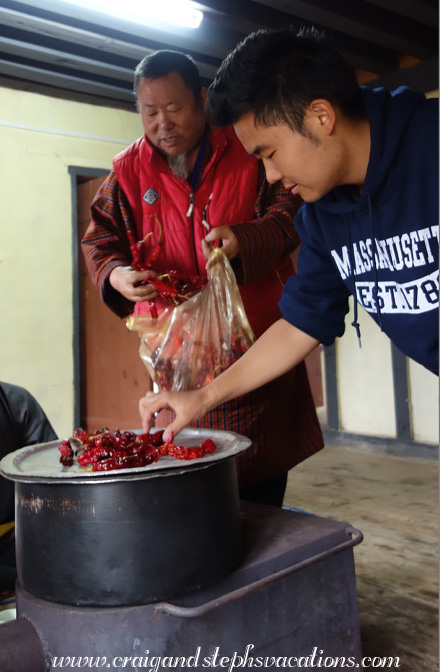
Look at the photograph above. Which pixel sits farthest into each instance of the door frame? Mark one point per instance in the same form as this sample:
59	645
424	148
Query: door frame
83	174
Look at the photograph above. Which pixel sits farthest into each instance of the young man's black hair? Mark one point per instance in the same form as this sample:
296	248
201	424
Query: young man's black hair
276	74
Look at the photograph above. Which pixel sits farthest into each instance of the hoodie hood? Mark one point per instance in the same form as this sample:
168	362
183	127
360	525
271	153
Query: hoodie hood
389	113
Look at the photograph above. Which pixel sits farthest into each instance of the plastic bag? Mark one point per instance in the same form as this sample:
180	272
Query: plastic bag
188	345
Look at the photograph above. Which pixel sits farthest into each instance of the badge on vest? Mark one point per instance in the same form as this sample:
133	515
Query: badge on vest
150	196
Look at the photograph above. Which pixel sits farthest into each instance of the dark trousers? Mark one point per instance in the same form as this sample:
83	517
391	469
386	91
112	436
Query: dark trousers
8	572
269	492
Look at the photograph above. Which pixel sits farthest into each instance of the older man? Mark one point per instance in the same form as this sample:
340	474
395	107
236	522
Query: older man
180	172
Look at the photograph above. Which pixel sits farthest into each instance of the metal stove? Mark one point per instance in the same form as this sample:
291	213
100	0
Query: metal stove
293	595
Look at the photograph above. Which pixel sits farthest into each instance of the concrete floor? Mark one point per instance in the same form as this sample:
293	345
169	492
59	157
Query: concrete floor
394	502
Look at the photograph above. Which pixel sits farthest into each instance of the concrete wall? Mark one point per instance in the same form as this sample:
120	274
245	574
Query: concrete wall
40	137
365	386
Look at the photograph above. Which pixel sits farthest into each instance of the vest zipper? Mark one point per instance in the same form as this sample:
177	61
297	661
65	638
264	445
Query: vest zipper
191	205
205	215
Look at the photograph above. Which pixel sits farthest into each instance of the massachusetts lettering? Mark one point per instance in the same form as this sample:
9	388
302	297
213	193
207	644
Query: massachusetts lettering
408	251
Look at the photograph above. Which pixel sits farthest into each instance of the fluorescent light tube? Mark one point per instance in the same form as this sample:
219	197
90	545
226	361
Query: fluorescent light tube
155	13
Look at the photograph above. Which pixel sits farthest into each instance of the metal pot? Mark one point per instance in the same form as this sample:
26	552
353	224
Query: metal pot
127	539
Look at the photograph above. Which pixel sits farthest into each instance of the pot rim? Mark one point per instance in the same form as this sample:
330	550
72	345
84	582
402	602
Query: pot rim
18	466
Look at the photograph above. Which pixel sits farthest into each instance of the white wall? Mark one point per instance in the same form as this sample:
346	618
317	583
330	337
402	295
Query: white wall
365	386
36	242
424	403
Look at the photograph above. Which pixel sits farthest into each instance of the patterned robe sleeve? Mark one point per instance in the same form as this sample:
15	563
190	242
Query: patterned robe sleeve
266	240
105	243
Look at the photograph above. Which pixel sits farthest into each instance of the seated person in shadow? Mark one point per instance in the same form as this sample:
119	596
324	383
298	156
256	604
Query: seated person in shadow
22	423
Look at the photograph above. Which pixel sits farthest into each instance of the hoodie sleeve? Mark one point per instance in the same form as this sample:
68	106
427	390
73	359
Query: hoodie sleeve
316	299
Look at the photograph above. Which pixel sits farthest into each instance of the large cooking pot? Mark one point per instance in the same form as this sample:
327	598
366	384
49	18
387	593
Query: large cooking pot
127	537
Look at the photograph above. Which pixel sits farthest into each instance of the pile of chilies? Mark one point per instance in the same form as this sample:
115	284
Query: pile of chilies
104	450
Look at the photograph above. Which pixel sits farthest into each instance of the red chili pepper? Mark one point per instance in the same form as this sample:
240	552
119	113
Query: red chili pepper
152	255
136	252
191	282
153	308
168	285
193	452
67	453
208	446
171	285
179	452
124	462
165	290
106	465
92	455
152	438
141	258
80	434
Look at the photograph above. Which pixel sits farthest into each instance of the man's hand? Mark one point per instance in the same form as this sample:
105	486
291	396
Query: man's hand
229	242
126	281
188	407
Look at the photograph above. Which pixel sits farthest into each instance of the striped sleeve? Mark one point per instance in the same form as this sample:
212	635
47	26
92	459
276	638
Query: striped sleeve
105	243
266	240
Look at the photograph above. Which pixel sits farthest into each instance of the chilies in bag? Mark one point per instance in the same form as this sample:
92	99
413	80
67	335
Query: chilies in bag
188	345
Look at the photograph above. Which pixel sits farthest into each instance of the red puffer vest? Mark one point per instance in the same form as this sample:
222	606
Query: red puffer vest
226	196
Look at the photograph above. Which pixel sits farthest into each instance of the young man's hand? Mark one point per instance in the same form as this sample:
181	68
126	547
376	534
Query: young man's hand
188	407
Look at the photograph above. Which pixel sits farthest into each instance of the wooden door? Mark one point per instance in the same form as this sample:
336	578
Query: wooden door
112	375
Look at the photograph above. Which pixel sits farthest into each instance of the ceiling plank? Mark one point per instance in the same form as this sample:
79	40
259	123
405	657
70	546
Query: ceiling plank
210	41
87	38
61	80
88	53
203	41
421	11
365	21
253	15
64	59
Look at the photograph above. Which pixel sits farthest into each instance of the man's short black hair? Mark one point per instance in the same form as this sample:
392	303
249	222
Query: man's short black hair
162	63
275	75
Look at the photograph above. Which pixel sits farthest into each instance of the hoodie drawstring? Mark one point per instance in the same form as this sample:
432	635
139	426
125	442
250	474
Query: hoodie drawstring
355	322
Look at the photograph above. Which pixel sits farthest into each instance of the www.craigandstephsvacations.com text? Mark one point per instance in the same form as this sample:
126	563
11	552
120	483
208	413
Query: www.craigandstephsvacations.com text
215	660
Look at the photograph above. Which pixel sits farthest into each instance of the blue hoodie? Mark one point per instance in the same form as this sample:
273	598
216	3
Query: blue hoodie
383	246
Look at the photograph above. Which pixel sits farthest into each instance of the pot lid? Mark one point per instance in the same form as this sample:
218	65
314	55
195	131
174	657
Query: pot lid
41	462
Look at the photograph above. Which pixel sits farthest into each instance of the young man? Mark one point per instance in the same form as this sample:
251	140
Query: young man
365	163
180	172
